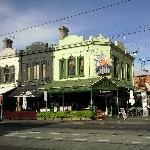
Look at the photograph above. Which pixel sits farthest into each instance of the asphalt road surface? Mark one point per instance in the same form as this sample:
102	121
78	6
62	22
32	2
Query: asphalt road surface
75	135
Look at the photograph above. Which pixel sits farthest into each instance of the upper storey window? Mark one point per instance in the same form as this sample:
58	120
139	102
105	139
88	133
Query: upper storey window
128	72
28	72
36	72
62	68
115	65
122	70
71	66
13	74
81	66
6	74
43	70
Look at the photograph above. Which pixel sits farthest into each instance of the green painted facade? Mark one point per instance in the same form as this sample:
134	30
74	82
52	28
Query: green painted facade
74	47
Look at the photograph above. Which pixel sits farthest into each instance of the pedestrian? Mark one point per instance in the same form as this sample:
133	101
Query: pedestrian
124	114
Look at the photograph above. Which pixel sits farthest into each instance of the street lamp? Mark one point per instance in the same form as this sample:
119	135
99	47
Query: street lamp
91	100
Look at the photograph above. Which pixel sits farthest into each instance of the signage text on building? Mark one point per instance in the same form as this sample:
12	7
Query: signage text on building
103	64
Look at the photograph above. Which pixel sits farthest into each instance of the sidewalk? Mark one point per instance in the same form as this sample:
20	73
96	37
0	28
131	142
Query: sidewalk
130	118
107	120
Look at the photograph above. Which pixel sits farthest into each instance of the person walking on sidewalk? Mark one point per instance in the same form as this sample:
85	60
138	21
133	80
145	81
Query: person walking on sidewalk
122	113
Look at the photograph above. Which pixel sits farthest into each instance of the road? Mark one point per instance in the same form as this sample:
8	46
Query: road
75	135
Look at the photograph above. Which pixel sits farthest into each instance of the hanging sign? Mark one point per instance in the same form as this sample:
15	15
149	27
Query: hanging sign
103	64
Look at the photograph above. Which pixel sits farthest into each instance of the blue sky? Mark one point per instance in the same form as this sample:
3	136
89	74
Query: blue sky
20	14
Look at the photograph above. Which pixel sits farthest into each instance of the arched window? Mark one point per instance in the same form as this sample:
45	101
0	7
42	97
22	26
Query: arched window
13	74
128	72
62	68
122	70
81	65
28	72
115	65
6	74
43	70
71	66
36	72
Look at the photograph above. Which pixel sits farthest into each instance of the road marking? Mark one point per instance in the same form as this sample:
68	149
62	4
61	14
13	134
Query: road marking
147	137
136	142
64	123
113	135
22	136
104	140
76	134
54	133
19	133
34	132
79	139
58	138
76	123
38	137
9	135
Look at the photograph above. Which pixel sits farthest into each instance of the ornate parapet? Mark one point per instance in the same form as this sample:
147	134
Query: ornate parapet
8	53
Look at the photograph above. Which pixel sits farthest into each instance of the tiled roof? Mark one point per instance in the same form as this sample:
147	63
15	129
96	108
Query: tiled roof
142	82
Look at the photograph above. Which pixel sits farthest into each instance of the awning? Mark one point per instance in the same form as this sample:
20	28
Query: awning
84	85
4	90
80	85
27	90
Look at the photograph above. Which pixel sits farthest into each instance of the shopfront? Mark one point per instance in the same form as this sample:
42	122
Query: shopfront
101	93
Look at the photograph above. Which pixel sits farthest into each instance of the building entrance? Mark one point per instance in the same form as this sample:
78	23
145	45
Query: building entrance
102	101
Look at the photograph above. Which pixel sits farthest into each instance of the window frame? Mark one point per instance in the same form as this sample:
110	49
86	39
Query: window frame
62	68
80	73
73	59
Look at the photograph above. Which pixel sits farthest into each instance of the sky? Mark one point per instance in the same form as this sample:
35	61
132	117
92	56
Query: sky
131	16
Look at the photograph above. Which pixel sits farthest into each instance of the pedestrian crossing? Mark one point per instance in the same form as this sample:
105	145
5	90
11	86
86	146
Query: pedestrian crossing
81	137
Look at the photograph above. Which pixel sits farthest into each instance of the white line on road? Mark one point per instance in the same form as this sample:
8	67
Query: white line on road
64	123
103	140
38	137
9	135
113	135
76	123
79	139
54	133
76	134
16	133
58	138
34	132
147	137
22	136
136	142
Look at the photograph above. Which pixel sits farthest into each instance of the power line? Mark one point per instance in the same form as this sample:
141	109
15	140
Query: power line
131	31
68	17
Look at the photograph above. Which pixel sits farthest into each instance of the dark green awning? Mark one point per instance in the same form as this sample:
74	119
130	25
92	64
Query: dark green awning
80	85
84	85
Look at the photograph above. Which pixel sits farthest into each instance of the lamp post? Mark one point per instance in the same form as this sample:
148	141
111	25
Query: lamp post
45	99
118	103
91	100
1	115
1	108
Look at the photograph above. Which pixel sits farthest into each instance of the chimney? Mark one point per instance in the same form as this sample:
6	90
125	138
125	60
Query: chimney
63	32
7	43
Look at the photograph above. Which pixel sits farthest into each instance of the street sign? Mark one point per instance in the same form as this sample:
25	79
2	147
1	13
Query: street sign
45	96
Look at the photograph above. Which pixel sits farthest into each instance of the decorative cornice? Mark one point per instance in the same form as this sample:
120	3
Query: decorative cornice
8	53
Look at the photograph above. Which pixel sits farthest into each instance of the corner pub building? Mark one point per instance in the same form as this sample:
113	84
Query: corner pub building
94	72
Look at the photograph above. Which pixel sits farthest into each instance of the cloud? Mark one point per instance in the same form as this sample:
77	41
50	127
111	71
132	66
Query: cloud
6	9
14	22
